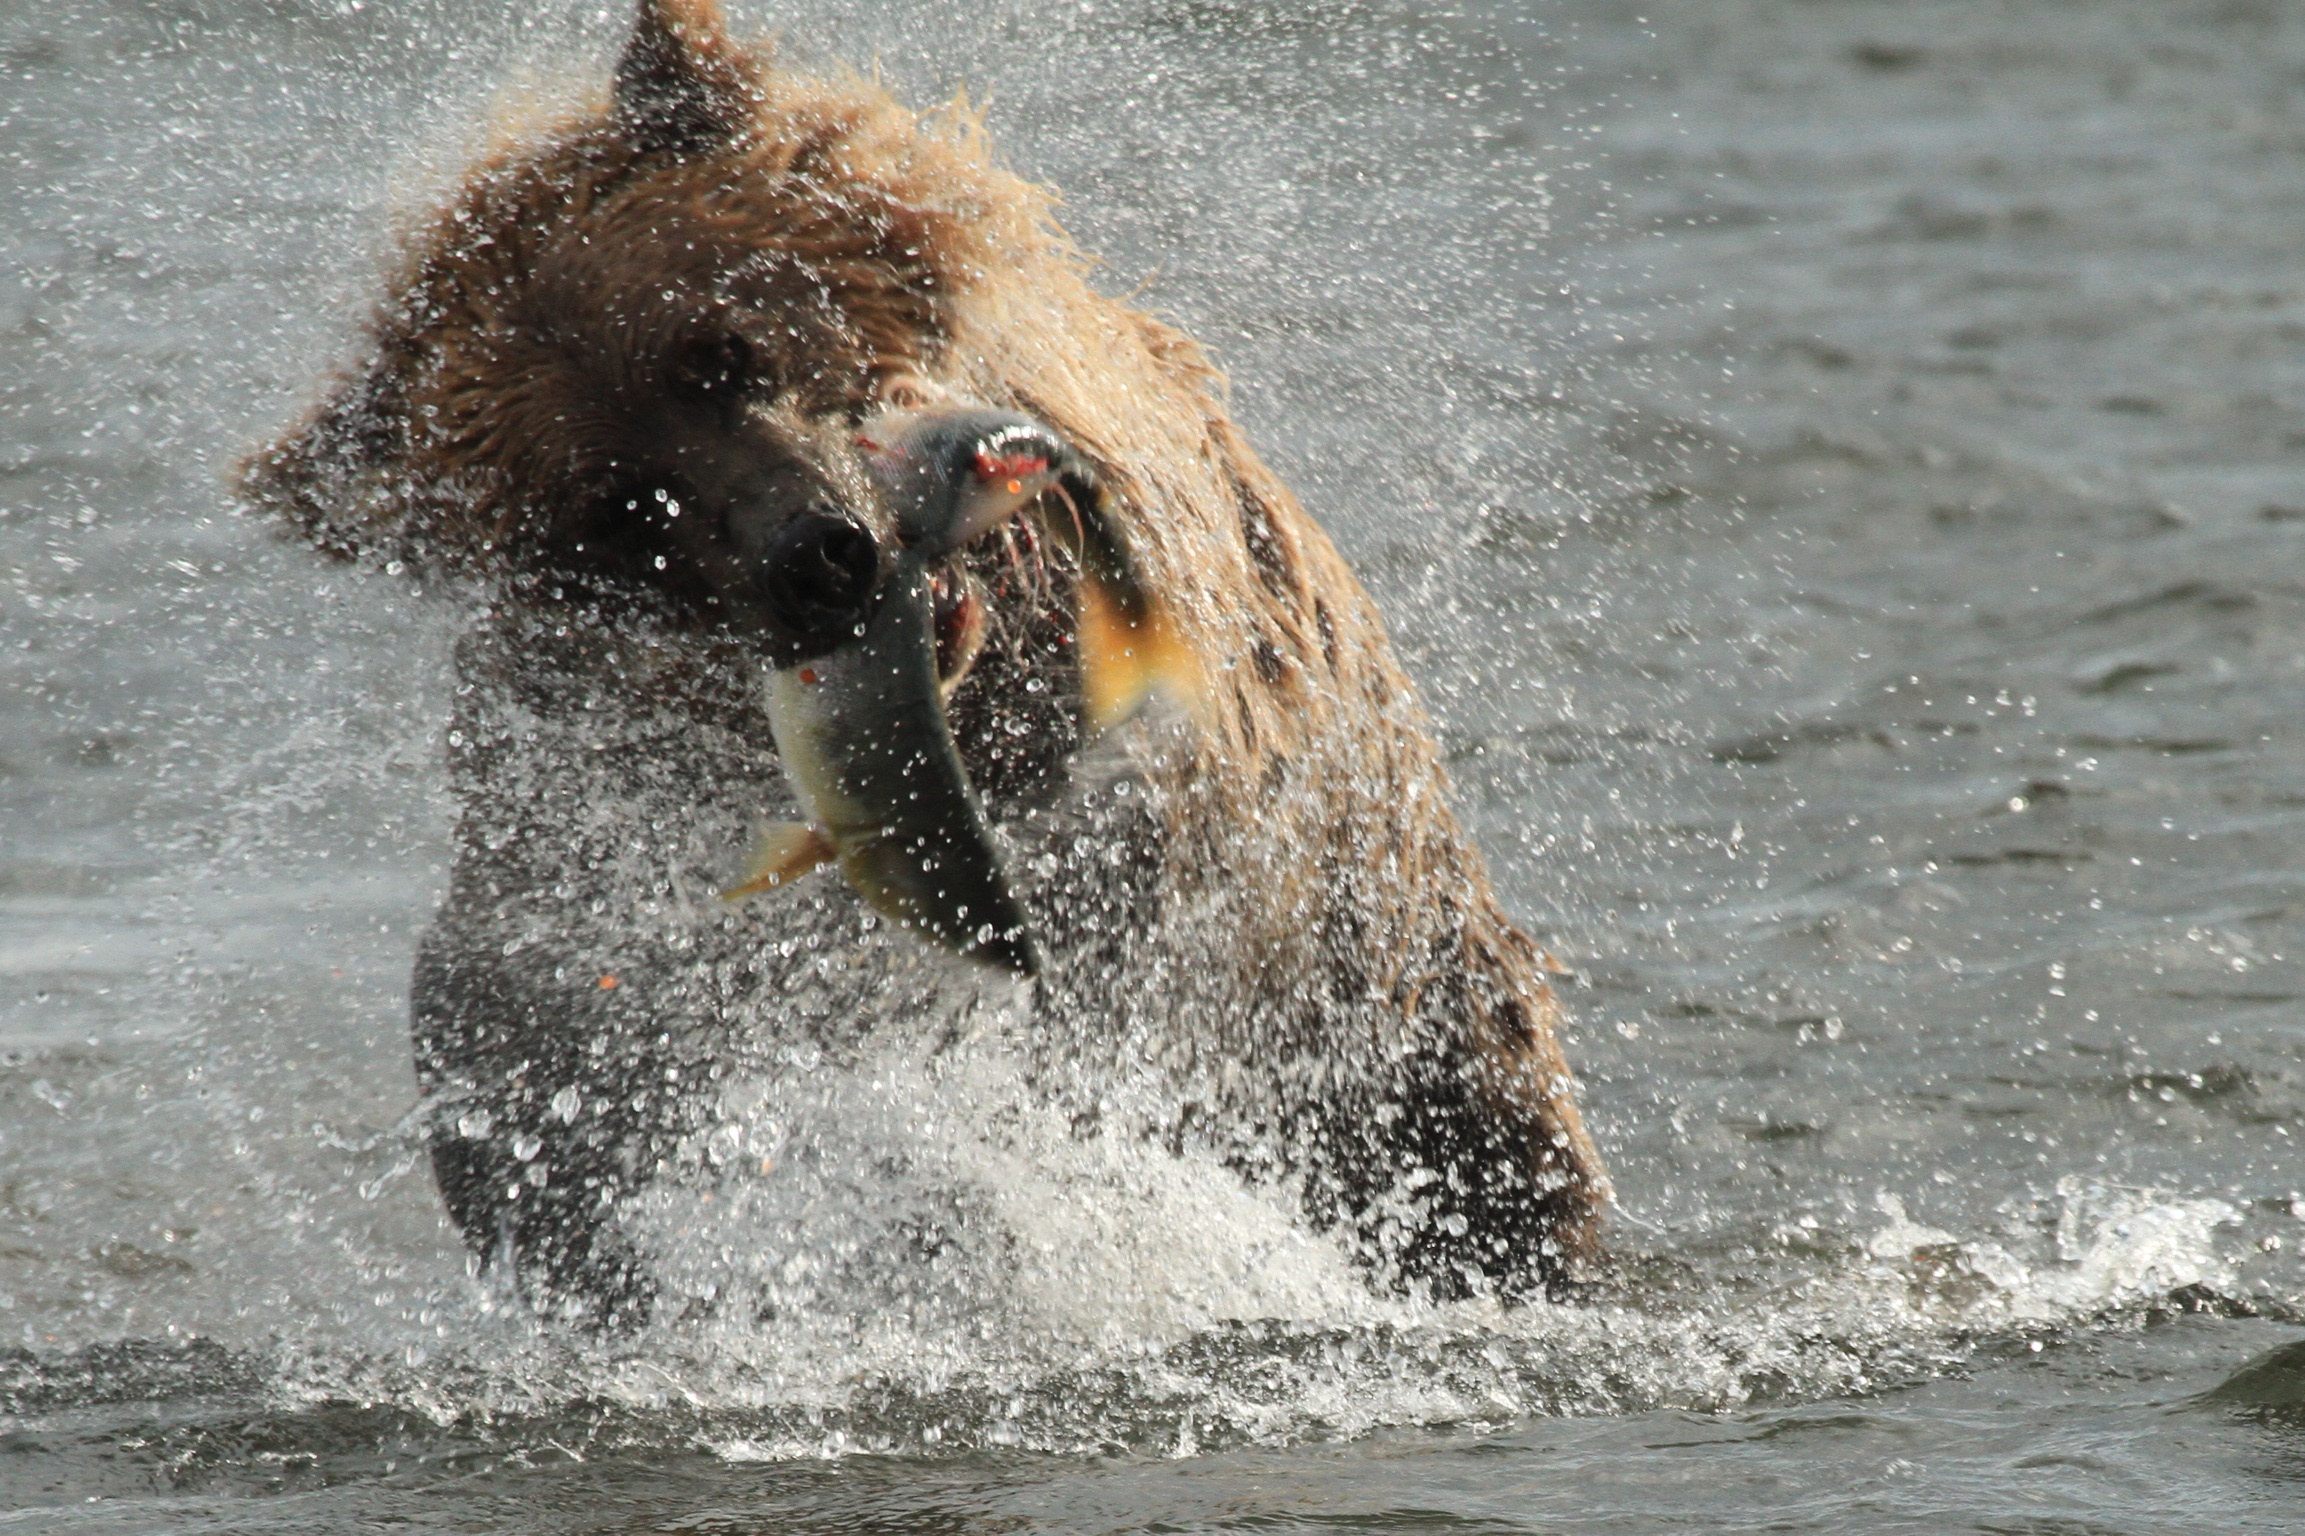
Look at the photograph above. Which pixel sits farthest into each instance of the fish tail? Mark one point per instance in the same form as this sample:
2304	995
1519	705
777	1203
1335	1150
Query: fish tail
1129	651
782	852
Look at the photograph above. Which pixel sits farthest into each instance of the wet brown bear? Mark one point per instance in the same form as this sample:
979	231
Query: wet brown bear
620	381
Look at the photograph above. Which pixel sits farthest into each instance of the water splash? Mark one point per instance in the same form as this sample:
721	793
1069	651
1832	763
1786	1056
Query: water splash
913	1255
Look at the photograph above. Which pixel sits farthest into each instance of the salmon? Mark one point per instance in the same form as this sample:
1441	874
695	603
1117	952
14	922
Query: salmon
862	729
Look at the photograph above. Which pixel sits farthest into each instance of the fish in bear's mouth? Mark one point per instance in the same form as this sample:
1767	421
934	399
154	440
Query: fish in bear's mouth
860	725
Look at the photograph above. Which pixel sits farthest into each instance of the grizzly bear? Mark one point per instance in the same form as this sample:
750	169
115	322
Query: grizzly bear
618	387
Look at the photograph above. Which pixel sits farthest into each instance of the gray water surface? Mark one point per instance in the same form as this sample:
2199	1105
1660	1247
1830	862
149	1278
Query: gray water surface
1838	474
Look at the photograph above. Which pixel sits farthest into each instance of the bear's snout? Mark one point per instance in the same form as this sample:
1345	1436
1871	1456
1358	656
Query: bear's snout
817	575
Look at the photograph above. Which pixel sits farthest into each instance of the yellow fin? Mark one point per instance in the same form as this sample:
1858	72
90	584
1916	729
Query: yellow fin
1126	658
782	851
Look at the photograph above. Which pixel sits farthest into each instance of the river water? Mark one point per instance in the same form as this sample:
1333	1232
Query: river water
1837	472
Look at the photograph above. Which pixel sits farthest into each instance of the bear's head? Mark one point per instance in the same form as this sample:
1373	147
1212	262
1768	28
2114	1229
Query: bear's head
633	360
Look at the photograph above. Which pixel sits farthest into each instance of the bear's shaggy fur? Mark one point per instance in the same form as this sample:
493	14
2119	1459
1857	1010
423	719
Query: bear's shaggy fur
620	360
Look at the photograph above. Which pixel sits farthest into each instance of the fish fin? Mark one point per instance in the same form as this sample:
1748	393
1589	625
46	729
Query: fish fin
1129	652
782	851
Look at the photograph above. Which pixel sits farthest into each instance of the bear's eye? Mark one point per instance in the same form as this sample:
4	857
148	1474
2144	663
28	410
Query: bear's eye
717	366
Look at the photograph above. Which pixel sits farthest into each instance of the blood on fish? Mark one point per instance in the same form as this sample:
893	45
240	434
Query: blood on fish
1017	467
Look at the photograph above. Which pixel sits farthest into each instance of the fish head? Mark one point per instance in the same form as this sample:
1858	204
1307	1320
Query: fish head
955	473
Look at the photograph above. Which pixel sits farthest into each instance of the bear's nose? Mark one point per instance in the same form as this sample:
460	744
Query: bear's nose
817	575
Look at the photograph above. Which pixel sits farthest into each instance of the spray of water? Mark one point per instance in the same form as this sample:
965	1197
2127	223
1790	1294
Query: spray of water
885	1240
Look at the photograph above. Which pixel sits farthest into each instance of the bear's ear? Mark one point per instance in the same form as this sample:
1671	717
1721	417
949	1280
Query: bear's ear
681	87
